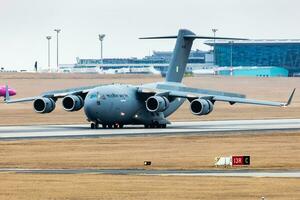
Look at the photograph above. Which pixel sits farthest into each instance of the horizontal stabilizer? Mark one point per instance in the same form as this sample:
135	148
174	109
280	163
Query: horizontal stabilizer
159	37
192	37
213	38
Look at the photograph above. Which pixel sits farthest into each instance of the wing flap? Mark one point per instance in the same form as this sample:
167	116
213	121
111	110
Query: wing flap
21	100
56	94
64	92
233	100
185	92
194	93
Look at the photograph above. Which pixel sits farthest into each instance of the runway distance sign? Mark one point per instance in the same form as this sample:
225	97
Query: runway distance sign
240	160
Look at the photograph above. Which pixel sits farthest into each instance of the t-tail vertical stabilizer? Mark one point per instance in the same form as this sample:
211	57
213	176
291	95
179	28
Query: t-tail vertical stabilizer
182	51
180	56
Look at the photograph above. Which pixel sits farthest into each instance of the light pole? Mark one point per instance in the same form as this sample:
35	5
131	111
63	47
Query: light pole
48	38
101	38
57	32
231	52
214	30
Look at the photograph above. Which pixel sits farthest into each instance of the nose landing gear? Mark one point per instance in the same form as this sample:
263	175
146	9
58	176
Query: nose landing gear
155	125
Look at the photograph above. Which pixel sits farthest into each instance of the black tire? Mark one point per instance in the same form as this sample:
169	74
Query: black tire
152	126
104	126
110	126
164	125
115	126
146	125
92	126
157	125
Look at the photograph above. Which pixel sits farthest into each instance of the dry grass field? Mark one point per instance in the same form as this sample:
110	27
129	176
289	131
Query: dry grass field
277	89
92	187
170	152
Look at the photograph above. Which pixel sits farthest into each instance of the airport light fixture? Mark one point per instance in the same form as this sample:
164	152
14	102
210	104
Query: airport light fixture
57	60
101	38
214	30
48	38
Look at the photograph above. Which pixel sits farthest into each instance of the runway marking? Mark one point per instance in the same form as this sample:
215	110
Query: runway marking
202	127
141	172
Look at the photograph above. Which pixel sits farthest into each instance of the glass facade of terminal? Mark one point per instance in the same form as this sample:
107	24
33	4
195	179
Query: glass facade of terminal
158	57
281	54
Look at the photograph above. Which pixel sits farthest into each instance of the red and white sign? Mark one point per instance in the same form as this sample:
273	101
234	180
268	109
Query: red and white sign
240	160
237	160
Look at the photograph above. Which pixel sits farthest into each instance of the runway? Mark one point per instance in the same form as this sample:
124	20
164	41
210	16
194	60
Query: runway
202	127
139	172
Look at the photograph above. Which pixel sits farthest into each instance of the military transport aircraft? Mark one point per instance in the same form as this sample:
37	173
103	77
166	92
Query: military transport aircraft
116	105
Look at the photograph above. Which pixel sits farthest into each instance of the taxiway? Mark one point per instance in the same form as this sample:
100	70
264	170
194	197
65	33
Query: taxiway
224	173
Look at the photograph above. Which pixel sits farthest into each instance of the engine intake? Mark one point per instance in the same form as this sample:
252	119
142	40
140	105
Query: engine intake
157	104
72	103
44	105
201	107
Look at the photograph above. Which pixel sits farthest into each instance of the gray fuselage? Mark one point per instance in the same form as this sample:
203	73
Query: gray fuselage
123	104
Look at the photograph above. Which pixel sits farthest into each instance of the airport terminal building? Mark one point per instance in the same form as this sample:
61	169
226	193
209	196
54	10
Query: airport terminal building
273	53
158	61
274	57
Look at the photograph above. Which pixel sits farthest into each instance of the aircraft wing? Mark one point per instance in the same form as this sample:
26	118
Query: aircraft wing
212	95
55	94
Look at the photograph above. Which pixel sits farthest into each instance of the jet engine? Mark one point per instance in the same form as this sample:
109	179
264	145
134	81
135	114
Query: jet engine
44	105
157	104
72	103
201	107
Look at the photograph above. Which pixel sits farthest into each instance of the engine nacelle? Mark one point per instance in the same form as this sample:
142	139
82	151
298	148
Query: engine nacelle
201	107
72	103
44	105
157	104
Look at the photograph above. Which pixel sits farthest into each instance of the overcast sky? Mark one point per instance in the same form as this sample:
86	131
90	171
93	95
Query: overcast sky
26	23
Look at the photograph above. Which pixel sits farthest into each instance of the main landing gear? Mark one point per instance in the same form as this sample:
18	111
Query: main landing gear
116	125
104	126
155	125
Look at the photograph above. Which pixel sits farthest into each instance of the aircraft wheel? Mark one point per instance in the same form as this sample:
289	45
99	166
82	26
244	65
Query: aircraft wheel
157	125
146	125
92	126
118	125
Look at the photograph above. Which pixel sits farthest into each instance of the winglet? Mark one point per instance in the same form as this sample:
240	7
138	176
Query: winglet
290	99
7	98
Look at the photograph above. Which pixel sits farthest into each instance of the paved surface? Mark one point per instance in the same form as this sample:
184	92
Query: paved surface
204	127
226	173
